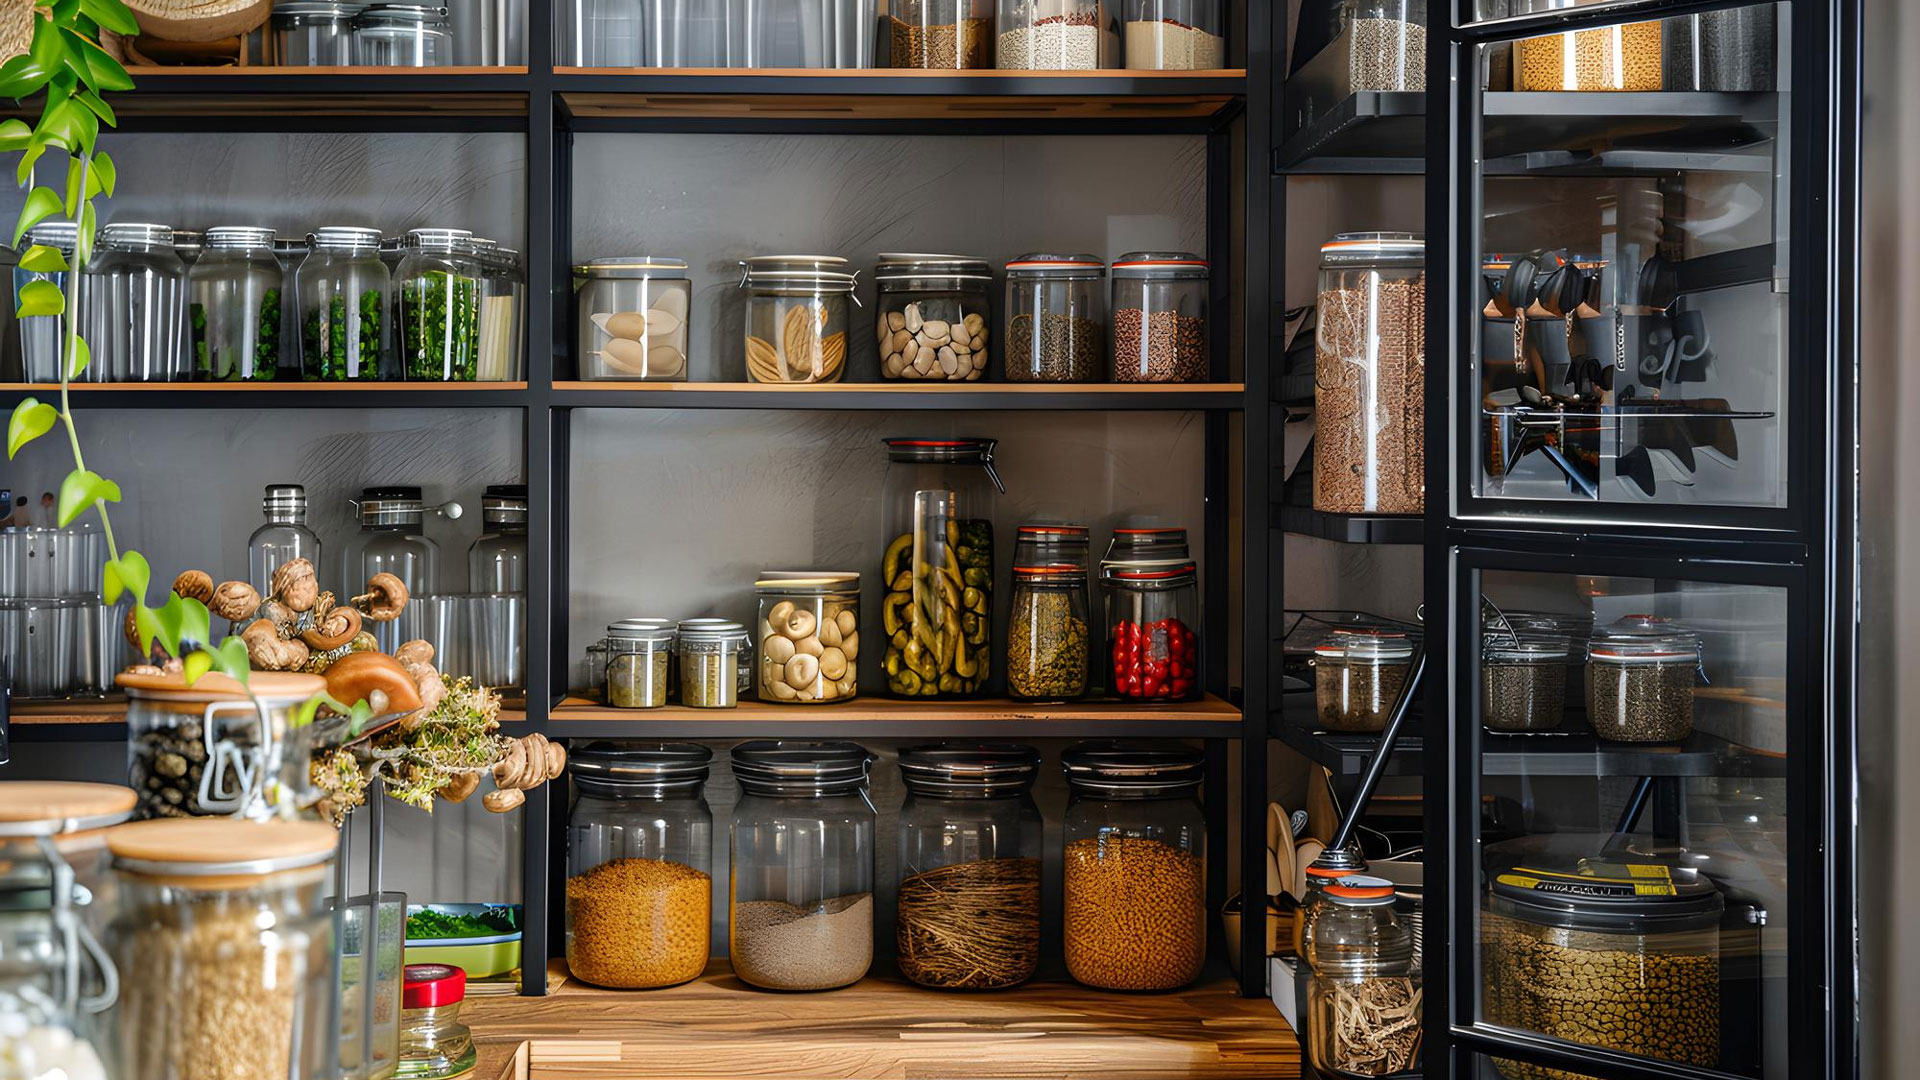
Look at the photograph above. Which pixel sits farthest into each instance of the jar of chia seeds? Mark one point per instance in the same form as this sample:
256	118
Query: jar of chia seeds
1640	678
1358	675
1523	682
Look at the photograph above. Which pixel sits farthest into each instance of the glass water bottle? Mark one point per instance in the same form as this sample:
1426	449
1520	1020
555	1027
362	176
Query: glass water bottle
497	562
285	536
392	540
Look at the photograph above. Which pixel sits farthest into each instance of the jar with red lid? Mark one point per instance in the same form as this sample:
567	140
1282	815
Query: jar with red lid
1153	630
1159	317
1151	542
1051	545
1047	633
433	1042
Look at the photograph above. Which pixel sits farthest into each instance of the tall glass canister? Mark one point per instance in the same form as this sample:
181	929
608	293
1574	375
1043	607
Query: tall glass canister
233	312
1047	633
970	854
800	901
1056	318
805	33
945	34
437	306
1369	395
343	288
134	317
639	864
40	345
937	610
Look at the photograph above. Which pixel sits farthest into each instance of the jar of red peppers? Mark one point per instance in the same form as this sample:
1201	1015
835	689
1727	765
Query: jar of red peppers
1153	629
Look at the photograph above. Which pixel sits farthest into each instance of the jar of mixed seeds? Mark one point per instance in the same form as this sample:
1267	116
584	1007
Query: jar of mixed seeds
934	317
809	637
1159	317
637	663
1358	675
1640	677
1134	861
1523	682
1056	318
713	663
1364	989
1047	636
437	309
796	323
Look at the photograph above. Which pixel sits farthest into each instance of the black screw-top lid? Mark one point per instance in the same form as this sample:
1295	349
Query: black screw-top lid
977	770
1114	769
634	768
796	767
1625	898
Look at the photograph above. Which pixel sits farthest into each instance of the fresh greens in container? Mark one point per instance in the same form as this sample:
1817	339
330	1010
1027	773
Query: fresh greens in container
437	309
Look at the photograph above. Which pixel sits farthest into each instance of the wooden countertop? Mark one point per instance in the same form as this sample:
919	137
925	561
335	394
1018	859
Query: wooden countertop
882	1028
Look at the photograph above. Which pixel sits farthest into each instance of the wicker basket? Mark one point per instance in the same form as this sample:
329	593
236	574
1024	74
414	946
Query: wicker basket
16	27
198	20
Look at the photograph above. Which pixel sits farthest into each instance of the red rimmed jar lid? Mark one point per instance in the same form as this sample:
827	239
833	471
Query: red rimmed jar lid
1360	890
429	986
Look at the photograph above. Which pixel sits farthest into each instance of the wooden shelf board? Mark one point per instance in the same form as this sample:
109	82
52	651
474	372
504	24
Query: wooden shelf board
114	711
985	76
142	71
901	395
275	387
1209	711
884	1027
902	387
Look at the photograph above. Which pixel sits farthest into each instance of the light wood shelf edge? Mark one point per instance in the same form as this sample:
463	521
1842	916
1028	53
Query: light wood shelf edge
875	709
902	387
904	74
283	386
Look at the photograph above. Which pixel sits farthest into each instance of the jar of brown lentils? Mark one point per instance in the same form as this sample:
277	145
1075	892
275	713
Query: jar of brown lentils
1640	677
1358	674
1523	682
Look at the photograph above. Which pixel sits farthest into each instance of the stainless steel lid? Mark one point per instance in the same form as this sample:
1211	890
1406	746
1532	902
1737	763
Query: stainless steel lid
1160	264
637	768
138	234
438	240
969	770
1116	769
504	504
238	237
800	768
632	267
899	266
346	238
284	498
391	506
1366	644
54	234
1048	264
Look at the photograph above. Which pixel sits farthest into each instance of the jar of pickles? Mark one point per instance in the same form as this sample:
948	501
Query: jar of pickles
436	312
714	663
632	314
1047	636
796	317
1523	682
809	638
637	663
1056	318
343	291
1357	677
1153	629
1159	317
934	317
1641	671
937	612
233	306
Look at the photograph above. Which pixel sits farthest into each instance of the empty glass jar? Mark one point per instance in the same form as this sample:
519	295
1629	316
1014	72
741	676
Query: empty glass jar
796	325
805	33
402	35
1159	317
313	33
343	289
937	504
233	313
945	34
1052	35
1153	629
800	897
284	537
1369	391
1056	318
970	854
639	864
40	338
393	540
1358	675
688	33
437	306
809	638
135	311
1173	35
933	317
434	1044
497	562
1135	865
1364	995
633	316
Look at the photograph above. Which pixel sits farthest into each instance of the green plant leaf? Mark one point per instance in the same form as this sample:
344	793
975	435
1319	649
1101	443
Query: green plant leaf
357	718
23	172
42	203
146	626
14	135
31	419
169	620
23	76
81	489
64	11
111	14
47	49
103	168
197	663
98	70
78	357
230	659
68	125
304	712
196	623
130	573
40	298
98	105
41	259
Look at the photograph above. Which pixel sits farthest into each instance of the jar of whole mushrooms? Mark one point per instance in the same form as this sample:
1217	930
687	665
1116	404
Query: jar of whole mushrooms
809	638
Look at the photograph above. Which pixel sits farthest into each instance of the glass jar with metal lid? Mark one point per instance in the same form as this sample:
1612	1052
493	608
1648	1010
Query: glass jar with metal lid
283	538
1160	317
1641	670
800	894
1364	995
233	313
402	35
499	321
1173	35
313	33
639	864
437	305
1370	375
937	508
55	898
796	325
970	853
809	637
220	749
224	944
1056	318
1621	956
497	561
934	317
40	337
1153	629
1149	543
636	666
1358	674
1047	633
1523	680
715	663
134	317
393	540
1135	862
633	314
343	288
1051	545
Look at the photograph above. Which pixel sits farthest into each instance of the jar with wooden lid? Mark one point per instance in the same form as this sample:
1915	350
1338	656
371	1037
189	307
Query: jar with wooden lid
224	945
1364	997
218	748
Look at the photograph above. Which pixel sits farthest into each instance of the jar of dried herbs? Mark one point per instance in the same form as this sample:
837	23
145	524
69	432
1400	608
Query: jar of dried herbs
711	671
343	291
1047	633
1523	682
1640	676
437	312
1363	999
637	661
1358	674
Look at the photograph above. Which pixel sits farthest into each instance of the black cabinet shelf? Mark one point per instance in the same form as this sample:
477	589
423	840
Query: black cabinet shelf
899	396
1353	528
280	395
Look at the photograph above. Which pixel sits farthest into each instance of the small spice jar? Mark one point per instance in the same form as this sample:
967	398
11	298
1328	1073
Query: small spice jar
1640	677
632	313
970	852
1153	629
714	671
948	35
437	313
1364	996
800	891
1159	317
1047	633
1056	318
796	324
1135	865
1173	35
342	286
224	943
639	864
934	317
638	665
1357	677
1523	682
233	306
434	1044
1628	56
217	748
809	638
1369	393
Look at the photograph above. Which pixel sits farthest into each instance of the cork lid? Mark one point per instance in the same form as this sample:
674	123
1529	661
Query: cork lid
50	808
213	686
219	852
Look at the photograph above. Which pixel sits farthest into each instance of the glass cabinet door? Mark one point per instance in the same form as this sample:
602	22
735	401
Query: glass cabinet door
1630	316
1629	740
